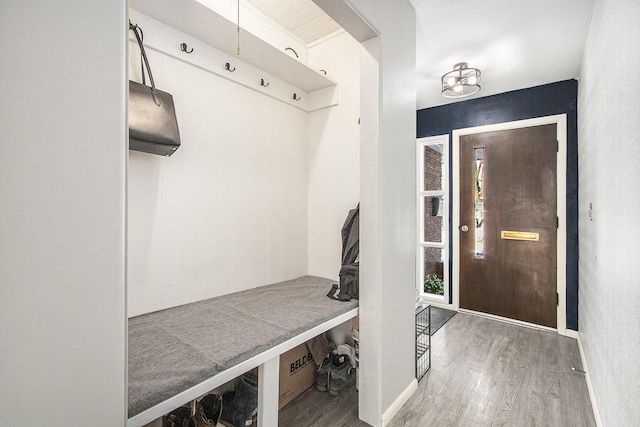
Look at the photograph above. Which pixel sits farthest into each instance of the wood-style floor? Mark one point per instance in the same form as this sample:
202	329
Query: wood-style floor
483	373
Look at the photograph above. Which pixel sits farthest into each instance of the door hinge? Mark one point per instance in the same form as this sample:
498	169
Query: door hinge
557	146
557	298
557	222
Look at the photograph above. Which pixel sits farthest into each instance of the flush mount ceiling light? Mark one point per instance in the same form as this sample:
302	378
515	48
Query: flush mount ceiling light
462	81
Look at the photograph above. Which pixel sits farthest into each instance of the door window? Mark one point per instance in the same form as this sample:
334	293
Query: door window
478	172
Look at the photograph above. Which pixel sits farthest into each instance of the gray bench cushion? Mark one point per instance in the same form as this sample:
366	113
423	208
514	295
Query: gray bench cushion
174	349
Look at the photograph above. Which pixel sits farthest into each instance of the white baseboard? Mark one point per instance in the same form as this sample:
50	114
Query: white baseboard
592	397
391	412
571	333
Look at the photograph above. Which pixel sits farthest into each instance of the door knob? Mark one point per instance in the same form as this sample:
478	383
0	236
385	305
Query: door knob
464	228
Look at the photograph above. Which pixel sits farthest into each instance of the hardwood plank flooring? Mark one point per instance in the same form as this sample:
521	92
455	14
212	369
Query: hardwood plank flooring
483	373
314	409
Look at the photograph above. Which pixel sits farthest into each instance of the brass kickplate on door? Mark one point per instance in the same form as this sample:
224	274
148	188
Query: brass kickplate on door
519	235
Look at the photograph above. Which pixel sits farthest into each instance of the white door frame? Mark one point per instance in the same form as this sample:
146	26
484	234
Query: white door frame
561	182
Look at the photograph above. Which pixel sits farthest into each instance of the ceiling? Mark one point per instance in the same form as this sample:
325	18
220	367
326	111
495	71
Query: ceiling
301	17
515	44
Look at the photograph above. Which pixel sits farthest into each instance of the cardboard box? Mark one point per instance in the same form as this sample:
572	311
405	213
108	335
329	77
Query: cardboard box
297	370
356	323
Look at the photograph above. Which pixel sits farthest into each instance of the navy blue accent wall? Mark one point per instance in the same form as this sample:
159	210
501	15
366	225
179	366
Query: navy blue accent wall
540	101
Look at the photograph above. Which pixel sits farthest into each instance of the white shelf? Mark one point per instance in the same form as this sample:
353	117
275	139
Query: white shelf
200	22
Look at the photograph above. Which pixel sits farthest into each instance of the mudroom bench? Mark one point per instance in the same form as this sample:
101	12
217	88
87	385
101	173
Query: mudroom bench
179	354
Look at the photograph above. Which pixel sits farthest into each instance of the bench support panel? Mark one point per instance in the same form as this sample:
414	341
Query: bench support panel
268	392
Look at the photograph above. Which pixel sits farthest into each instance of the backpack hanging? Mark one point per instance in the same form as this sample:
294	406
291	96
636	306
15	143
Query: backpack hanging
349	287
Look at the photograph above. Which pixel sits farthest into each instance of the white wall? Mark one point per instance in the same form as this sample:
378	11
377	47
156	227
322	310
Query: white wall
228	210
388	214
370	386
334	155
608	159
62	227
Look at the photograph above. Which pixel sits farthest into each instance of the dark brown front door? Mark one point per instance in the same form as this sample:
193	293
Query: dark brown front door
508	223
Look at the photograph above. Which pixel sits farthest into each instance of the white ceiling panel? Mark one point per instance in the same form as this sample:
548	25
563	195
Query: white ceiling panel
301	17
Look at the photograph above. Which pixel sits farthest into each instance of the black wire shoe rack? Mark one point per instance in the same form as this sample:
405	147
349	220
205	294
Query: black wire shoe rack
423	341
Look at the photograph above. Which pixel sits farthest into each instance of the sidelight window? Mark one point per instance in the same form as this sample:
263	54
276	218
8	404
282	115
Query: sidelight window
433	218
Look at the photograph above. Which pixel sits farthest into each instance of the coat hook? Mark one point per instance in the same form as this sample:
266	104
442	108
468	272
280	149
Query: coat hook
183	47
227	67
262	83
296	97
324	72
291	49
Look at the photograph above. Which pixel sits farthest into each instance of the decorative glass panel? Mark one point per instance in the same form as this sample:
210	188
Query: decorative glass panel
433	259
479	192
433	221
433	167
